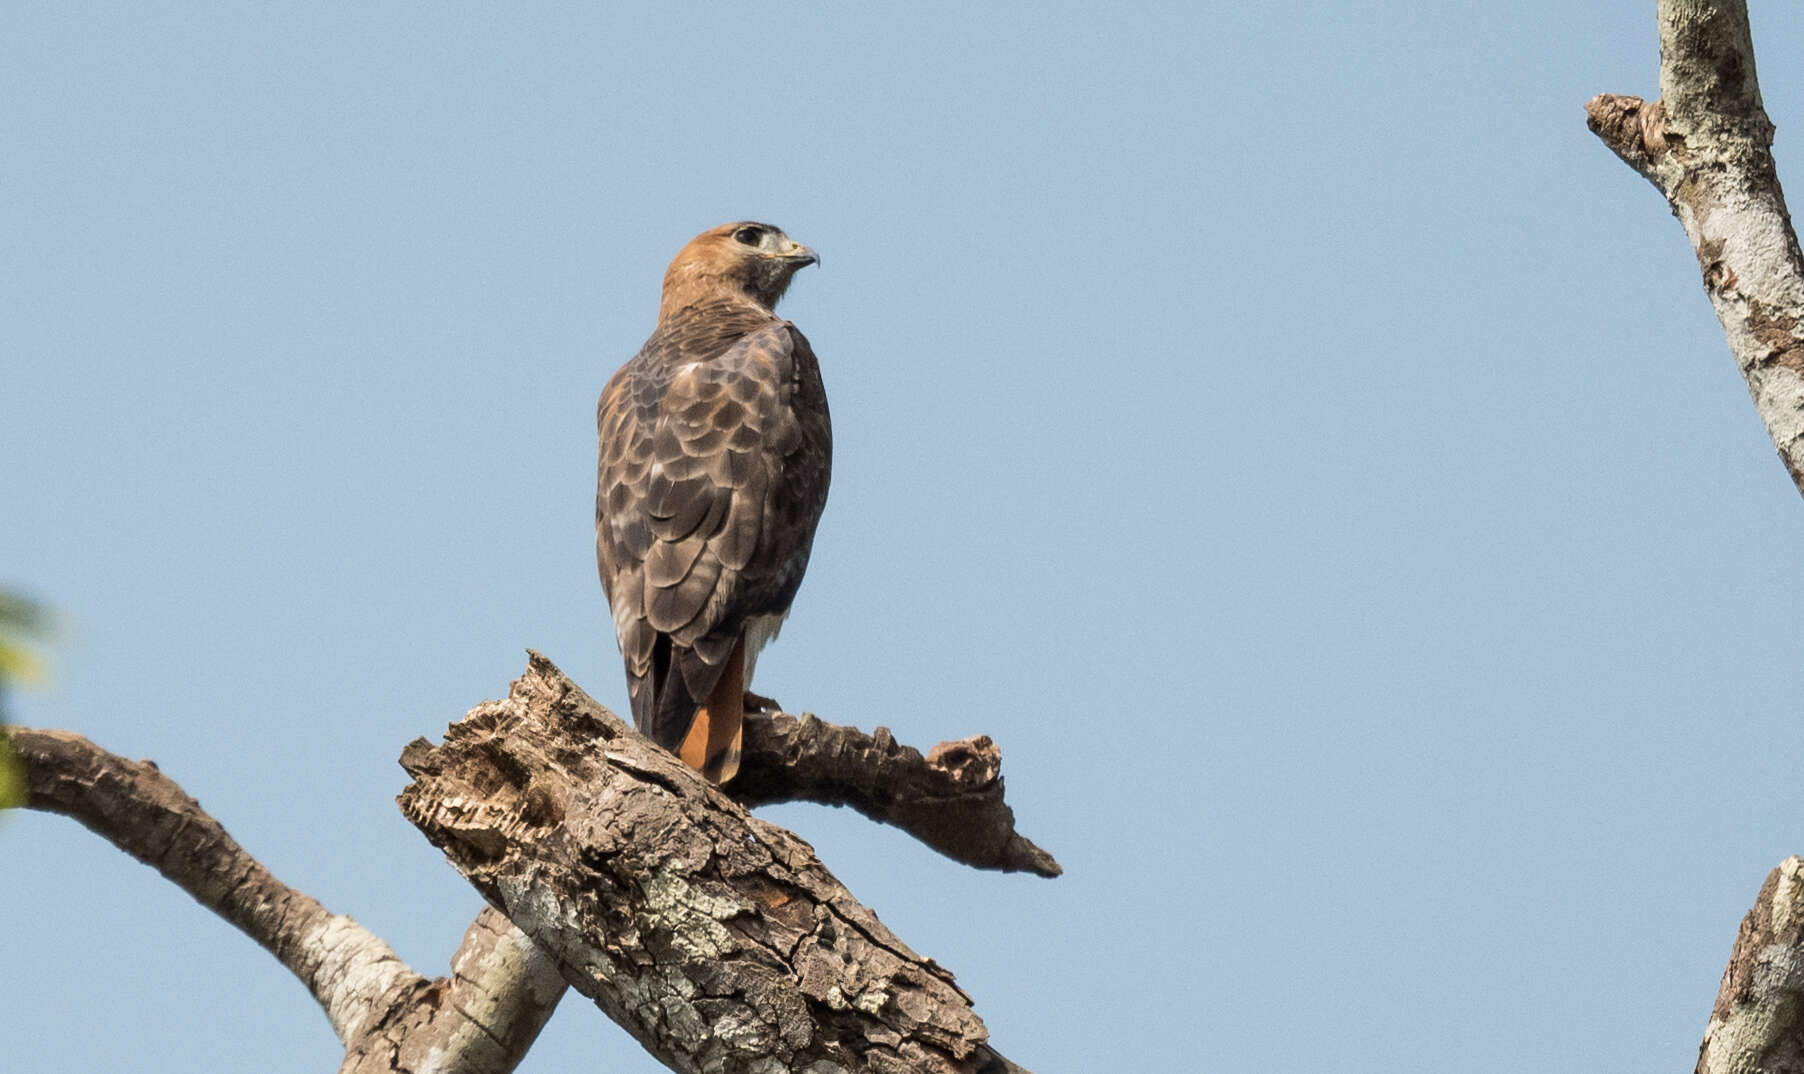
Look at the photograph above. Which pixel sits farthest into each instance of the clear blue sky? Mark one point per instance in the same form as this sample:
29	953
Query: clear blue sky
1282	426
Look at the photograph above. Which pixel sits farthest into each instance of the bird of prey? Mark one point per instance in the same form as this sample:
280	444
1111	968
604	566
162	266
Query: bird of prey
715	455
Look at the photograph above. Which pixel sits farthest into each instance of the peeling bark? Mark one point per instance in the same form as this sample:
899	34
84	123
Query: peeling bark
1706	146
480	1021
718	940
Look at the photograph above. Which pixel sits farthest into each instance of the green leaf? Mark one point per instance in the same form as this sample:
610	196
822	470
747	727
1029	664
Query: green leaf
23	626
12	775
22	623
19	664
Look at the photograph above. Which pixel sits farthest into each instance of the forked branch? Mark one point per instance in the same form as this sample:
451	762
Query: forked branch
1706	146
718	940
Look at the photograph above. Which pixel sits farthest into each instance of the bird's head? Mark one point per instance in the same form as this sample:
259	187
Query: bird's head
745	260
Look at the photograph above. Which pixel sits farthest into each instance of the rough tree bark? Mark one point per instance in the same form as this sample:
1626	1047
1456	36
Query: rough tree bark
1756	1024
1706	145
951	799
859	999
719	941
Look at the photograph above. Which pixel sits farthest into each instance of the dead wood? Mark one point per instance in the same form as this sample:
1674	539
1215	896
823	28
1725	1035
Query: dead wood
718	940
479	1020
950	799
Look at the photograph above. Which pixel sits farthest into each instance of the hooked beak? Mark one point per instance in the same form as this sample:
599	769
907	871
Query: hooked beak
800	255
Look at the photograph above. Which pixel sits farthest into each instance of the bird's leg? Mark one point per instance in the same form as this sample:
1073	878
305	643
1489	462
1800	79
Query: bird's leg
760	703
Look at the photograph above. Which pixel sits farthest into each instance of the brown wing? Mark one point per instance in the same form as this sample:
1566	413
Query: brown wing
712	477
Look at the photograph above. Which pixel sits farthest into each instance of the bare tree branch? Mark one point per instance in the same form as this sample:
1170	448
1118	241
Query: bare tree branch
740	949
719	941
144	813
1758	1021
480	1020
390	1018
951	799
1706	146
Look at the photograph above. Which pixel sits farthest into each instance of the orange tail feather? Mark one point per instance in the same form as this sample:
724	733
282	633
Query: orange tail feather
712	745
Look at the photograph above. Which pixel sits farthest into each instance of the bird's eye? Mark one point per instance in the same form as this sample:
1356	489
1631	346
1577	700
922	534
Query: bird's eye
748	236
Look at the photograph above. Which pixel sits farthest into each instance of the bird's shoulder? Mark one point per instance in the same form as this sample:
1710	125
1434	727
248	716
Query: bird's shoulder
704	353
714	331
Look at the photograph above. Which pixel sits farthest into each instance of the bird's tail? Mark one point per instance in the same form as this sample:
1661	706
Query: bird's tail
712	744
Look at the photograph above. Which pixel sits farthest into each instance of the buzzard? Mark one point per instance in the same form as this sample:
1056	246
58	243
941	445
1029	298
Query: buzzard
715	454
